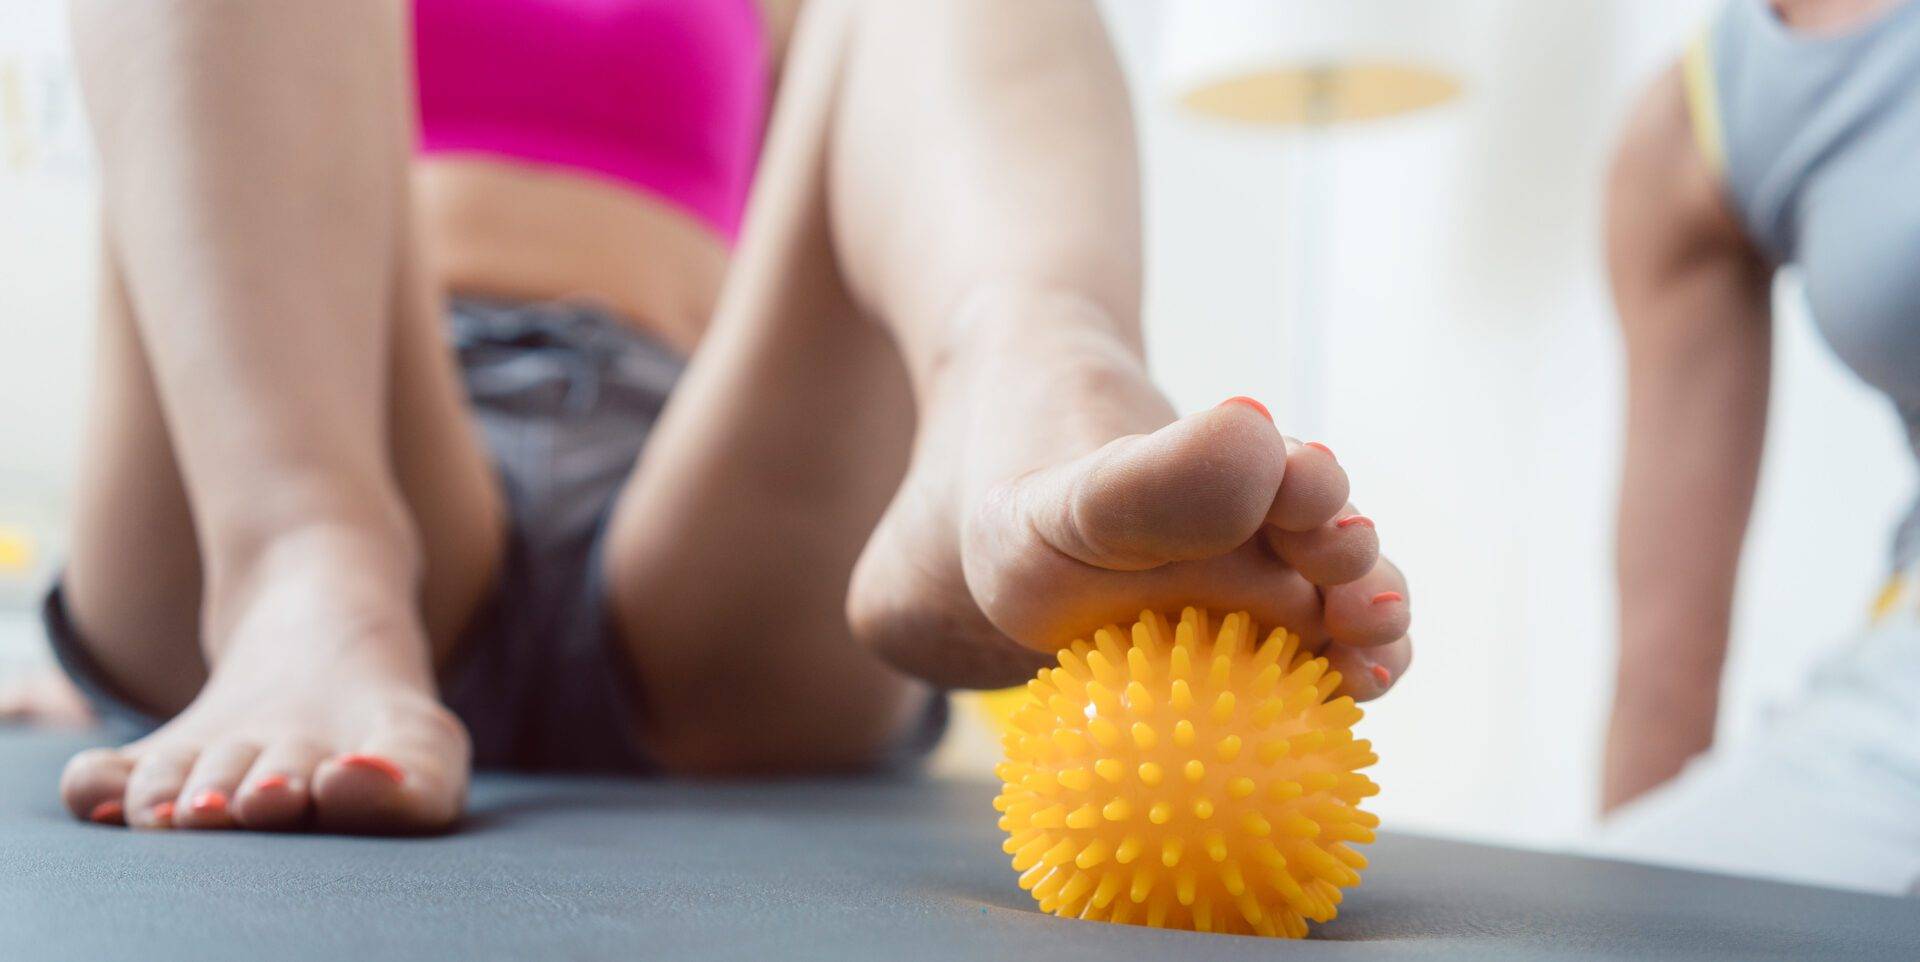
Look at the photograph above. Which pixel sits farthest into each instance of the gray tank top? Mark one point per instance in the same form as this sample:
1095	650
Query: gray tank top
1818	140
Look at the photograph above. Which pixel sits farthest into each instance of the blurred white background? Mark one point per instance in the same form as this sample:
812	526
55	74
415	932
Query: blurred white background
1472	384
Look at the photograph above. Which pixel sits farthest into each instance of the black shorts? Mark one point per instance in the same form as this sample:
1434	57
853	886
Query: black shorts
565	395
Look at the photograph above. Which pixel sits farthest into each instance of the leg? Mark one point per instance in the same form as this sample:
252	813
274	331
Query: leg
984	208
282	502
1823	794
1747	810
731	546
43	697
733	555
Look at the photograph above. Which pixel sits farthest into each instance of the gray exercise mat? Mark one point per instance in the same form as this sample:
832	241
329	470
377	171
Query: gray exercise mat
608	869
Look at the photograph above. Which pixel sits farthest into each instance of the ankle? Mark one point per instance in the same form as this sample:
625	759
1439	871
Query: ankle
1002	321
350	593
1042	375
351	555
284	504
376	530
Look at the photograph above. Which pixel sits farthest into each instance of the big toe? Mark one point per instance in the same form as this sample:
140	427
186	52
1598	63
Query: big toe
409	777
1197	488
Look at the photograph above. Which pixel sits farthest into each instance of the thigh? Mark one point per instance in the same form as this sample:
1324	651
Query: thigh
1824	793
731	547
133	579
1774	812
442	463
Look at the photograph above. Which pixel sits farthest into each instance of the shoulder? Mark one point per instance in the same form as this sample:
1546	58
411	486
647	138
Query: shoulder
1665	187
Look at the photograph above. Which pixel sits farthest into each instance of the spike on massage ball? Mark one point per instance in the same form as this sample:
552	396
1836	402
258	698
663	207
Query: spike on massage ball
1176	777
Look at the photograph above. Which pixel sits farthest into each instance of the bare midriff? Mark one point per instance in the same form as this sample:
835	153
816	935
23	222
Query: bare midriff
522	232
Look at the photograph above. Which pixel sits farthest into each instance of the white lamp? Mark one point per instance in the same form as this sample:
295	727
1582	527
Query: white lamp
1307	65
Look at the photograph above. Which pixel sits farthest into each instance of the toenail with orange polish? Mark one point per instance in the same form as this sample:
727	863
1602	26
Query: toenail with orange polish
1386	597
210	802
107	813
1321	447
163	813
1249	402
270	783
374	763
1382	675
1353	519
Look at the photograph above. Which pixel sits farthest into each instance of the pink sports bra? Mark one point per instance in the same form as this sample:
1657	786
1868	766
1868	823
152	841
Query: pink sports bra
665	96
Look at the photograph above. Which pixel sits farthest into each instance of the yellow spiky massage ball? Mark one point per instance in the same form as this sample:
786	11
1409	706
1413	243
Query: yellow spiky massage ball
1172	777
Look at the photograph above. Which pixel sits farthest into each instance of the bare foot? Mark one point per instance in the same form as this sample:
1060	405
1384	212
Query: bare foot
1052	491
320	710
45	698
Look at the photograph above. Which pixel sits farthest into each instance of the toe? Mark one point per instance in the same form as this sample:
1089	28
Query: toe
1248	580
276	792
1197	488
44	698
369	792
1371	610
412	777
94	785
154	786
361	792
1367	673
206	799
1335	553
1074	605
1312	492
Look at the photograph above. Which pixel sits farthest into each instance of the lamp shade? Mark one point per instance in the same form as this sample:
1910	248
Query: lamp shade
1288	62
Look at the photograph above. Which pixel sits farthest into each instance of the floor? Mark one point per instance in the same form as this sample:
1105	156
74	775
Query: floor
838	871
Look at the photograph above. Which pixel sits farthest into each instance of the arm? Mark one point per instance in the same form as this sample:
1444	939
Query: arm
1693	301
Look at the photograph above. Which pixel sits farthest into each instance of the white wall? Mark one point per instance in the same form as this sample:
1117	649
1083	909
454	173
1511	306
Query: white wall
1472	389
1473	393
46	289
